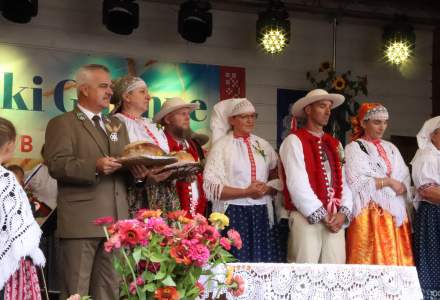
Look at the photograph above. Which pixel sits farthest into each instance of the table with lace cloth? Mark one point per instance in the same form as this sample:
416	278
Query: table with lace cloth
319	281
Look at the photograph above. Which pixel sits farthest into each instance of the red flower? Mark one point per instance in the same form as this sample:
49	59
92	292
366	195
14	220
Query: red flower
153	267
132	233
237	286
226	243
209	233
103	221
166	293
180	255
235	237
200	287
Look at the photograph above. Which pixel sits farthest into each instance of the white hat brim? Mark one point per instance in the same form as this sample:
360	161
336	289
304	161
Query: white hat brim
163	112
298	107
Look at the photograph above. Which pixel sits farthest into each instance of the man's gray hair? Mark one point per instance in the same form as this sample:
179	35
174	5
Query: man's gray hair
82	76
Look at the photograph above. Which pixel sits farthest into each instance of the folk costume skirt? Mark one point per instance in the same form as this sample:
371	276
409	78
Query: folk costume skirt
374	239
259	243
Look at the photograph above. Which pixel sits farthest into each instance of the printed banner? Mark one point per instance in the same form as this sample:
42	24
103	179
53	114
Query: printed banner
37	84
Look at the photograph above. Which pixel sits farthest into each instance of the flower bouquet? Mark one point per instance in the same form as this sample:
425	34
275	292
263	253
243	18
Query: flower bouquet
170	256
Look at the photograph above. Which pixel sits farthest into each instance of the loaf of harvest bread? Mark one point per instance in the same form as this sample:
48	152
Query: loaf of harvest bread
183	156
142	148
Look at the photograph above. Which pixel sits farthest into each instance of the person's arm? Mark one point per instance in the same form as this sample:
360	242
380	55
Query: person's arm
425	173
297	181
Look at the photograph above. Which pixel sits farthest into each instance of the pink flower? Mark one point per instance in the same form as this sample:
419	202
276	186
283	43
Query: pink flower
103	221
114	242
132	288
200	220
235	237
237	286
199	254
140	281
226	243
159	226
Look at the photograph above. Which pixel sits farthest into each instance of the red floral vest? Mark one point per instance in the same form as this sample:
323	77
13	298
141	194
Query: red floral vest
312	148
184	188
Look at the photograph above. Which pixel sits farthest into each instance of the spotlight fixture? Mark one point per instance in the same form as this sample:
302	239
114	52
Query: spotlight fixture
195	20
273	28
19	11
120	16
399	41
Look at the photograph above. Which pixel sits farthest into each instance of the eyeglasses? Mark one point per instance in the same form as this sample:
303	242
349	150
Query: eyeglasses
248	117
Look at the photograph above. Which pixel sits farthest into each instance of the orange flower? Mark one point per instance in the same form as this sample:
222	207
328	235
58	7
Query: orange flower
339	83
175	215
166	293
143	214
179	253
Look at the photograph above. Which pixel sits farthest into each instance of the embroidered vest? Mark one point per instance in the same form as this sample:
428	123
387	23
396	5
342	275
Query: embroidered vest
313	149
184	189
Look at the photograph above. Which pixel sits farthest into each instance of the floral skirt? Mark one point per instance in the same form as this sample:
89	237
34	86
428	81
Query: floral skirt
259	242
427	248
374	239
23	284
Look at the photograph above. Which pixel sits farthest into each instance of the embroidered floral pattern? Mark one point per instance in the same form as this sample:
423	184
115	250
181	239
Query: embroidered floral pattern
344	210
257	147
317	216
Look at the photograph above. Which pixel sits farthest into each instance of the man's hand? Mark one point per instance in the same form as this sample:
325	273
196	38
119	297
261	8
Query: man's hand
156	175
334	222
139	171
107	165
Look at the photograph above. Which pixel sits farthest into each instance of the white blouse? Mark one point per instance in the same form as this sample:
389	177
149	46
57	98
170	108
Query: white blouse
362	169
229	164
143	129
425	170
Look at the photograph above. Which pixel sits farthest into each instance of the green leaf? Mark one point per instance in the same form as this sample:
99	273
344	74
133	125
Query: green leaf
156	257
151	287
160	275
137	254
168	281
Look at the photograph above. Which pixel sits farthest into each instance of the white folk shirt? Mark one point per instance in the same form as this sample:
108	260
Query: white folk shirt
426	170
297	179
239	174
143	129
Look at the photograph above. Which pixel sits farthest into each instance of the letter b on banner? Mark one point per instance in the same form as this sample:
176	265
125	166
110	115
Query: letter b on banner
26	143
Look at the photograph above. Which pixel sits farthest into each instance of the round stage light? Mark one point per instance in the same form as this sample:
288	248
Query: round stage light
273	28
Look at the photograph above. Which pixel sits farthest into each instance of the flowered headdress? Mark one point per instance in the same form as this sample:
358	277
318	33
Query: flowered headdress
367	111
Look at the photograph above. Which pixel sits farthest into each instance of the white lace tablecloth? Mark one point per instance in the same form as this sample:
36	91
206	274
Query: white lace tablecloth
329	282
